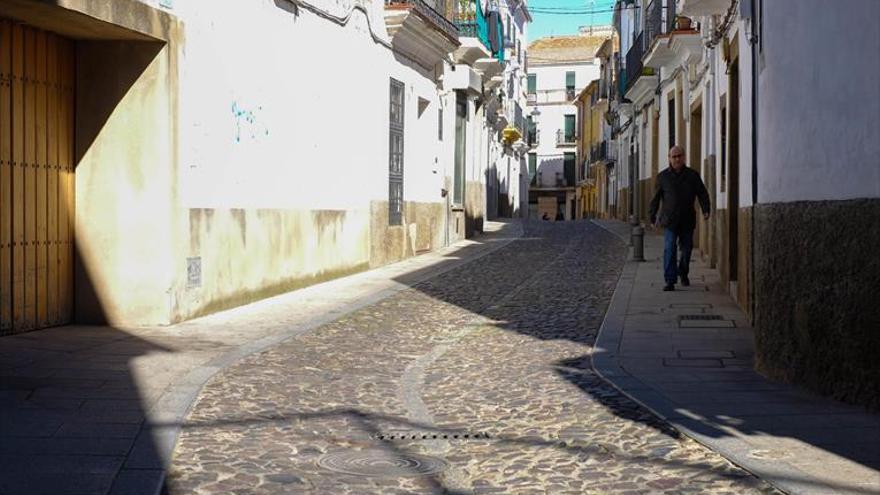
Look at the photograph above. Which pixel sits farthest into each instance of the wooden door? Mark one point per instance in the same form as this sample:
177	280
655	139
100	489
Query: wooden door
36	178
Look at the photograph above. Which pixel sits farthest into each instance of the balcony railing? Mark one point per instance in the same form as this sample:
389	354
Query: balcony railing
634	61
565	138
654	21
472	22
570	94
434	10
531	98
545	96
519	119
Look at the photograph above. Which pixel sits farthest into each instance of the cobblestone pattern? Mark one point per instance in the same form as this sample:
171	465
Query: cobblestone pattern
499	346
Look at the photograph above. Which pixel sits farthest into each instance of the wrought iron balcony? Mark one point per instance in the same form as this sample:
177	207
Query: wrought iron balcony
519	118
472	22
434	11
531	98
635	67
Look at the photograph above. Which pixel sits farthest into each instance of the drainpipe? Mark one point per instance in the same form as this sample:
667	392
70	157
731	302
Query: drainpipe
753	40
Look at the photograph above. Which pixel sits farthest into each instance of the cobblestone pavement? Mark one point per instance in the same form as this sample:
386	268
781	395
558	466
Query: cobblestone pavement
477	381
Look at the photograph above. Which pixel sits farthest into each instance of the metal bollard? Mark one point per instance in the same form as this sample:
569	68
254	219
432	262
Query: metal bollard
638	240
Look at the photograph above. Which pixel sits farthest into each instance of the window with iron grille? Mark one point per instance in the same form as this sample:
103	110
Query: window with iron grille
395	153
569	85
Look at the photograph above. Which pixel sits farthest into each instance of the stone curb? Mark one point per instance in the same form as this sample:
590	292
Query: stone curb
143	473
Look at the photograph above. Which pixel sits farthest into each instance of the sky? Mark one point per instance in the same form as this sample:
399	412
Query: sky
567	16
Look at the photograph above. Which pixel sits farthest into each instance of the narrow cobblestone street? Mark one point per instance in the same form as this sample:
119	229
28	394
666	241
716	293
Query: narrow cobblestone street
476	381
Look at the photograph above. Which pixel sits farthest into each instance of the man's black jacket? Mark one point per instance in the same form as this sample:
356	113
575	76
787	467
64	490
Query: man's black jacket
678	190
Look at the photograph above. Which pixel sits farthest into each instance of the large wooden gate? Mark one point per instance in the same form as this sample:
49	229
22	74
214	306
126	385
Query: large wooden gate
37	72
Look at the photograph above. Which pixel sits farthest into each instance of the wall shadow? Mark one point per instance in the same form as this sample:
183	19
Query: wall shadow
411	437
73	414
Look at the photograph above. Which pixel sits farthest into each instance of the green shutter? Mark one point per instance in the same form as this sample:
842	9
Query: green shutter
532	83
533	165
569	79
569	126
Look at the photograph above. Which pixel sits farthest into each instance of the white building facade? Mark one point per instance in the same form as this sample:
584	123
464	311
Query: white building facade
732	83
559	68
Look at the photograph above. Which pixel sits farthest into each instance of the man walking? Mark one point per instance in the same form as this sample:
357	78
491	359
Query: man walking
677	187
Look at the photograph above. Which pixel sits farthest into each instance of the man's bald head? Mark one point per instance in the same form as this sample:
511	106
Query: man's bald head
676	157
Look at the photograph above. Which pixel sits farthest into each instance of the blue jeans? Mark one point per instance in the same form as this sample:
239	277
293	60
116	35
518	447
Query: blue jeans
682	239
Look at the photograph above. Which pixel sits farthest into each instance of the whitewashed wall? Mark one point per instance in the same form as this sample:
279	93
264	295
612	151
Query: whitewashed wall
550	85
819	123
292	112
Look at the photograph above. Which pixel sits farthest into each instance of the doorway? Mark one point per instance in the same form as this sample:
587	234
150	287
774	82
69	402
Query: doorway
694	160
37	79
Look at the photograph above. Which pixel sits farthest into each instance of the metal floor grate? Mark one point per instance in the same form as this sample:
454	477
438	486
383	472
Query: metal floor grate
419	436
700	317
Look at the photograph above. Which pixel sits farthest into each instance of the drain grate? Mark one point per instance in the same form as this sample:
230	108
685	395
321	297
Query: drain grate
424	436
381	463
700	317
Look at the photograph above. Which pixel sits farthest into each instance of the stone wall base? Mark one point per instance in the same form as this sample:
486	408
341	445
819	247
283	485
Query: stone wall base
817	319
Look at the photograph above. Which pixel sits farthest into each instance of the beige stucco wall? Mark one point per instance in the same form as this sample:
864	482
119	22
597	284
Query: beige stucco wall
249	254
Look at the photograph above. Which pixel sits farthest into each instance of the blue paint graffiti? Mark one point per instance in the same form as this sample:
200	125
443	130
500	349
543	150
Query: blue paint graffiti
247	123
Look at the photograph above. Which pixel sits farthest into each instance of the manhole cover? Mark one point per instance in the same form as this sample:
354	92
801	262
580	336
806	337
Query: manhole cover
381	463
700	317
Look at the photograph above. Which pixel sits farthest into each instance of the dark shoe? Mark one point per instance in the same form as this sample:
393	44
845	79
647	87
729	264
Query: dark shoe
668	287
685	282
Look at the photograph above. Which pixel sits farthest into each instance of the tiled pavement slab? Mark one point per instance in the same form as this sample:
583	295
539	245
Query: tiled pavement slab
700	379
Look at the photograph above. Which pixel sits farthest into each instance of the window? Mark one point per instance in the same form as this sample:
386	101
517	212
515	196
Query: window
569	128
395	154
671	122
440	124
723	160
532	84
569	85
568	166
533	165
461	113
532	131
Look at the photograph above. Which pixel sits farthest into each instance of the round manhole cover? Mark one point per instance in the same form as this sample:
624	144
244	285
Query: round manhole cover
381	463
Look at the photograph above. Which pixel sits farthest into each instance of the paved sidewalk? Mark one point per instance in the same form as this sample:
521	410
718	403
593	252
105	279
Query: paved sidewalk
79	405
697	374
